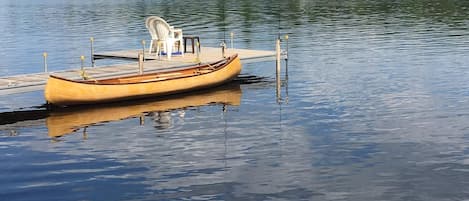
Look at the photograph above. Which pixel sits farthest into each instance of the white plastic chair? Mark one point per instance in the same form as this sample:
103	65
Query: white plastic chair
164	34
154	38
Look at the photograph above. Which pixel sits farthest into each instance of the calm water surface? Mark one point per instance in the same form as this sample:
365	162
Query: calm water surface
375	105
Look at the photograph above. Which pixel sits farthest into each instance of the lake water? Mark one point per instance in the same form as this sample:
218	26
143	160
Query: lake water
375	105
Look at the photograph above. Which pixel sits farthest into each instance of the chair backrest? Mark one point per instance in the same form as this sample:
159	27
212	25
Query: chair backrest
162	28
150	26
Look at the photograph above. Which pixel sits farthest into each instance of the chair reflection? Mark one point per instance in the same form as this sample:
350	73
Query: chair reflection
161	119
68	120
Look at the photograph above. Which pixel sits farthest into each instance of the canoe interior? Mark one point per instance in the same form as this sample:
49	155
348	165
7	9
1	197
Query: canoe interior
159	76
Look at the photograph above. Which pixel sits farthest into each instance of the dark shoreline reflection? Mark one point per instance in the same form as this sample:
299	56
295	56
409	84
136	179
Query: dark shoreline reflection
19	116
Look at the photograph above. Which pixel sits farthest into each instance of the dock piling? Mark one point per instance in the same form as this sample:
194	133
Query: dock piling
197	52
45	61
82	71
278	52
140	63
223	47
92	52
143	49
82	58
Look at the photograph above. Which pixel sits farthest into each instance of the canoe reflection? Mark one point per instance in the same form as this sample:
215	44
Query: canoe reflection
68	120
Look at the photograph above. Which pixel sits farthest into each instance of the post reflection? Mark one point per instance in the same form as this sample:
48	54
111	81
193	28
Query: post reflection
282	83
66	121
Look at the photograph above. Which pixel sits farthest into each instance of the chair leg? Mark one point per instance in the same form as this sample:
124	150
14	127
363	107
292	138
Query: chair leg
180	47
158	50
169	50
169	47
151	47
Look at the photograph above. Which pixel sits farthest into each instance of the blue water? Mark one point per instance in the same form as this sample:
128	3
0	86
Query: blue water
374	105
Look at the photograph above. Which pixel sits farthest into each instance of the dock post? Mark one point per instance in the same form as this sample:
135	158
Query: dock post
223	47
82	58
278	57
143	49
82	71
92	52
140	63
232	38
45	61
197	53
278	63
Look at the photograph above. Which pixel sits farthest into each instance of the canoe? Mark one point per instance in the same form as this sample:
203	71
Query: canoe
67	120
64	92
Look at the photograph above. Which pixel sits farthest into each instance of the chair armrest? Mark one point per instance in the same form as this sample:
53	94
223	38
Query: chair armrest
178	33
171	33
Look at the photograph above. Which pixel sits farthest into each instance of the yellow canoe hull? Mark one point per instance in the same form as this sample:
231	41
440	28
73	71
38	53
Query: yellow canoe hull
63	92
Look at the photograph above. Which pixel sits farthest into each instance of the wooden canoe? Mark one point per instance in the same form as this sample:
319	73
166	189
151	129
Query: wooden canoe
64	92
68	120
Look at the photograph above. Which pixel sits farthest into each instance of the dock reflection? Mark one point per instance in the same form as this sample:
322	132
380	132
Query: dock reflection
66	121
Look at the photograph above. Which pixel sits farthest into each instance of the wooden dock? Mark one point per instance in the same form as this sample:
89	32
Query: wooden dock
36	81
